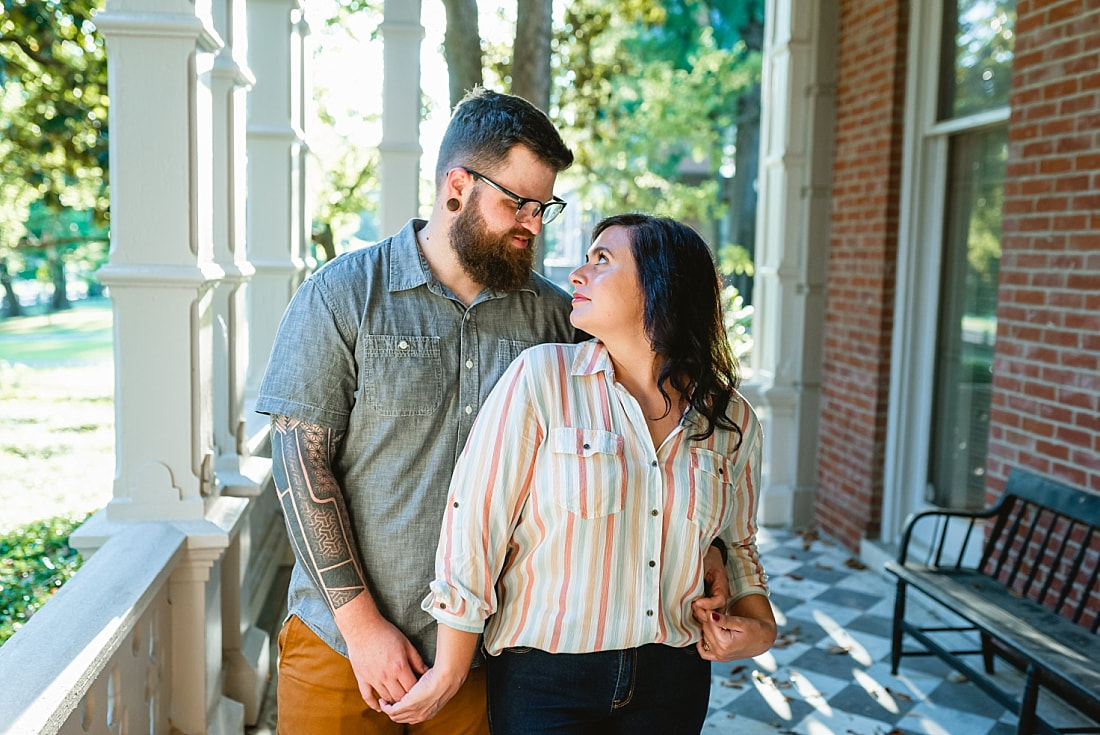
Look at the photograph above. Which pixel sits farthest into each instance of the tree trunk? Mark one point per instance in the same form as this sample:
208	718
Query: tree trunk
60	299
462	48
326	240
531	52
11	306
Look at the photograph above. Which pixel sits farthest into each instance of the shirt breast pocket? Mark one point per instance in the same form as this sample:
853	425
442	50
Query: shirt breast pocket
711	491
402	376
589	471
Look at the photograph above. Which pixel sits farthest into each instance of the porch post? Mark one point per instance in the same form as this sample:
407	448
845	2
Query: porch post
799	86
277	225
168	63
399	150
161	271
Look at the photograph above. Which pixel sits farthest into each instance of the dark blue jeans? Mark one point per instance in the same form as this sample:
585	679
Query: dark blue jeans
652	689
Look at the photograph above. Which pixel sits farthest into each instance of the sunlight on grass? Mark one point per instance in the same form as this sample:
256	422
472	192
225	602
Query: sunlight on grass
56	414
80	334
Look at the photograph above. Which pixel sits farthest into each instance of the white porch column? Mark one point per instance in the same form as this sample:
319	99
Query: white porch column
399	151
230	82
166	63
799	86
277	226
244	647
161	270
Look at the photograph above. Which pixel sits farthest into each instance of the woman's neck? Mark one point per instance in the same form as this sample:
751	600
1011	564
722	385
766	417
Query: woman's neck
637	368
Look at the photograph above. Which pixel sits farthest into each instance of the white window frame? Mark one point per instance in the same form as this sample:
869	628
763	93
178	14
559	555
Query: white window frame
920	249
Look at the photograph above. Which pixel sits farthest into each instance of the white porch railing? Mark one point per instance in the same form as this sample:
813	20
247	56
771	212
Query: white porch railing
155	633
97	657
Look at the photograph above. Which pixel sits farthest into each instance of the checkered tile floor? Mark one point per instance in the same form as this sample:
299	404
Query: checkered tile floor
829	671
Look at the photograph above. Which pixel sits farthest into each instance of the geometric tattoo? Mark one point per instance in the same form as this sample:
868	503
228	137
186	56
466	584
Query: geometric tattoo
316	512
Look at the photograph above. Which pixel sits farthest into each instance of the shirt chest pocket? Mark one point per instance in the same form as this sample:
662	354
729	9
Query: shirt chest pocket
711	491
589	471
402	376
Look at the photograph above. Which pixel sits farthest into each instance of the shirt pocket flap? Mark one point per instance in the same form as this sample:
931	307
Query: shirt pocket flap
585	442
712	463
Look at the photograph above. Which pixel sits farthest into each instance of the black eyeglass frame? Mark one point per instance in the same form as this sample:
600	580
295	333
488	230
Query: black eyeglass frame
554	207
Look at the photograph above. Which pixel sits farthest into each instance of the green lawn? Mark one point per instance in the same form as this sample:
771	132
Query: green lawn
56	413
80	334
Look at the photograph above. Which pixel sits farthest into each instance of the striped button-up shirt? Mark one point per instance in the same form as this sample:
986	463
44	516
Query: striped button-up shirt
572	531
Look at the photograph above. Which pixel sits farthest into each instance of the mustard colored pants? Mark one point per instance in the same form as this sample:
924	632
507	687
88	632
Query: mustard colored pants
319	695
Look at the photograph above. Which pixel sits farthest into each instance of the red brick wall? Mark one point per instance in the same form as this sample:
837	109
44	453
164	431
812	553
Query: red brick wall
861	271
1046	385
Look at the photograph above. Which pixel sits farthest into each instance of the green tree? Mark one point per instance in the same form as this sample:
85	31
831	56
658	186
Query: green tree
653	91
53	115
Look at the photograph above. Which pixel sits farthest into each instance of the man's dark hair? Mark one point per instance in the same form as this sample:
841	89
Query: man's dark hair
682	298
486	125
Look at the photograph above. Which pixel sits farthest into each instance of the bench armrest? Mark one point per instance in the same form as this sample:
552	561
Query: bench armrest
947	525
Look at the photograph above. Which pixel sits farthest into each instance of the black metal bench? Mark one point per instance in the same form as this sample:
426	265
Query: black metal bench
1024	576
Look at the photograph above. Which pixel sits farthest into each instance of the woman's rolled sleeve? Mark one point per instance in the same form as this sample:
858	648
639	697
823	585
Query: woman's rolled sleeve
455	608
743	567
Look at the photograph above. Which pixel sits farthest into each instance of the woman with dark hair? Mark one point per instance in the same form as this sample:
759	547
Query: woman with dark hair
594	480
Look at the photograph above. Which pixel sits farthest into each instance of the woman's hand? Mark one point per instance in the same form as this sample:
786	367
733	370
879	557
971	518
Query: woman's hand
747	631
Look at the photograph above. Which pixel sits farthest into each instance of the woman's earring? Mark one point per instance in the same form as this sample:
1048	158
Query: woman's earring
453	204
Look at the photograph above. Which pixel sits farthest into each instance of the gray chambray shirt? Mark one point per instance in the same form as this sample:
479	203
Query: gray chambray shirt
374	345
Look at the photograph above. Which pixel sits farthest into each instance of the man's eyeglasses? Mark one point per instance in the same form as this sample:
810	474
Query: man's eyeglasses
526	209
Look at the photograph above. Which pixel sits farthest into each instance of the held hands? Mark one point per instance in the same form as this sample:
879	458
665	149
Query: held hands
427	697
453	654
386	664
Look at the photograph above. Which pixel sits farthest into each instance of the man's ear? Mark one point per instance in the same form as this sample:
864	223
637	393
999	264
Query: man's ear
457	183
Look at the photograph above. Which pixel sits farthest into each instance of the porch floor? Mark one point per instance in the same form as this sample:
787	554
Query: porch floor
829	672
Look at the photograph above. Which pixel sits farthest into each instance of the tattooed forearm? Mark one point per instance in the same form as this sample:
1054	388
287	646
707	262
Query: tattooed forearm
314	506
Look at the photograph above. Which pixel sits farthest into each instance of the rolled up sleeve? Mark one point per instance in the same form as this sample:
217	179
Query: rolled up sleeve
743	567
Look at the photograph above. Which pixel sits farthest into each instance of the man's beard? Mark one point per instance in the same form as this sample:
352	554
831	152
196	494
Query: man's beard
489	258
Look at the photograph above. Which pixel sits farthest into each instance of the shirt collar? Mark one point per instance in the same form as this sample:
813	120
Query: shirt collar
409	268
591	358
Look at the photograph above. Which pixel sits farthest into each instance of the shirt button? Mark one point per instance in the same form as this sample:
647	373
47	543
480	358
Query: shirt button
403	345
443	606
587	446
649	613
469	363
653	512
653	463
651	562
469	410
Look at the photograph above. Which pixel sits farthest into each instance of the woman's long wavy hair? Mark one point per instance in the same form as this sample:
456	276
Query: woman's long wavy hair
683	314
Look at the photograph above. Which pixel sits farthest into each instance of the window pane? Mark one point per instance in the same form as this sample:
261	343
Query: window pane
976	68
968	317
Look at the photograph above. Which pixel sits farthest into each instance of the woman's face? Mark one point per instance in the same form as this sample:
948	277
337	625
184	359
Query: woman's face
607	297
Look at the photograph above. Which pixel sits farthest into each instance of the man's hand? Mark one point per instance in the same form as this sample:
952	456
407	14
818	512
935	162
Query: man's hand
385	663
716	584
749	631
